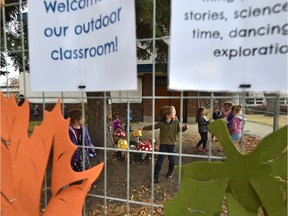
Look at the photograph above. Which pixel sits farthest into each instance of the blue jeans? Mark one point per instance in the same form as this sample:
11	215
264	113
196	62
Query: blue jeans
169	149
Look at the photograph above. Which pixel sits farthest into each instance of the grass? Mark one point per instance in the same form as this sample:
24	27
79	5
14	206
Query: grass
32	124
267	120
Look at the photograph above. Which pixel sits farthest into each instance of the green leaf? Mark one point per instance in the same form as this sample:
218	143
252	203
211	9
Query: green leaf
219	129
252	179
271	195
279	166
235	208
204	170
195	198
272	145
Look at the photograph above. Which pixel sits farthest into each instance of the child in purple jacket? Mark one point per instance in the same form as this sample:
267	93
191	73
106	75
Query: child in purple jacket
76	130
117	124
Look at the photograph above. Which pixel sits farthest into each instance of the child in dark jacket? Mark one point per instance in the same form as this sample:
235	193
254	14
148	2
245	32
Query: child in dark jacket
169	129
202	129
227	114
76	130
216	115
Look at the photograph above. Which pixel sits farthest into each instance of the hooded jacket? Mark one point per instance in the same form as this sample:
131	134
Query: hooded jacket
236	124
77	156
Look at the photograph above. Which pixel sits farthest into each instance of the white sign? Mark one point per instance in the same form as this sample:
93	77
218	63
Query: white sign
217	45
87	45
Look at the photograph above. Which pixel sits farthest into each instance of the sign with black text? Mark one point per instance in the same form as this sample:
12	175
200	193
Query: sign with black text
87	45
221	45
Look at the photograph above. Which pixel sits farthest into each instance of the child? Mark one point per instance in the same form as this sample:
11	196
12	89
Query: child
235	127
117	124
216	115
117	127
35	112
21	98
202	128
129	117
227	114
169	129
76	129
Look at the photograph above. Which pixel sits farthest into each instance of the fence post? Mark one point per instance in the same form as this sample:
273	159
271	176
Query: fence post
276	112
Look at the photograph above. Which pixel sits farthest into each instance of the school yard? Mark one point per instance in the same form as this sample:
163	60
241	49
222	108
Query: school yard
140	186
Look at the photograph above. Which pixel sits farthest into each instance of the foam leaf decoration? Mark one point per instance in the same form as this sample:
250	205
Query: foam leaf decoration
210	205
258	179
24	161
235	207
66	201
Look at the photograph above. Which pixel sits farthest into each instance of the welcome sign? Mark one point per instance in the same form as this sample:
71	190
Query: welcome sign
82	44
221	45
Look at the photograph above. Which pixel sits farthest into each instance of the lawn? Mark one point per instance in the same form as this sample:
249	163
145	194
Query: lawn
267	120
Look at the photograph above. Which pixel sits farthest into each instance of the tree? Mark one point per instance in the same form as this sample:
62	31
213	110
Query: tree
3	72
11	30
14	81
144	27
97	104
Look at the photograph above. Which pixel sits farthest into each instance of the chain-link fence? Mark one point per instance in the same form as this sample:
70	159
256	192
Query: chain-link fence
126	185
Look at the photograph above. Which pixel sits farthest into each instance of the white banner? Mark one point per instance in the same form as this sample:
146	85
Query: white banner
221	45
87	45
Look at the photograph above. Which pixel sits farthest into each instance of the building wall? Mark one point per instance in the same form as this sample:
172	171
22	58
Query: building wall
166	98
191	108
120	109
147	103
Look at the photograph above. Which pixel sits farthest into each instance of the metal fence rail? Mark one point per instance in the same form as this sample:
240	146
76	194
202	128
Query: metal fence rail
107	150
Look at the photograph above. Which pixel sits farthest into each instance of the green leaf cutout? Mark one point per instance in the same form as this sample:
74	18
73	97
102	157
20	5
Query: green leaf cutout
271	195
235	208
206	204
254	180
279	166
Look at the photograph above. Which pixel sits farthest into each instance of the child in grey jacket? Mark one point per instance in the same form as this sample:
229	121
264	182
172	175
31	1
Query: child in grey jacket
202	129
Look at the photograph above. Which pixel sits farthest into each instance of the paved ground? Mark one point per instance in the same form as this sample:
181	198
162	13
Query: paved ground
258	130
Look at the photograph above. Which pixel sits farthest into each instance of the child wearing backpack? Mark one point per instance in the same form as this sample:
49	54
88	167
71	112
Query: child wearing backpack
76	131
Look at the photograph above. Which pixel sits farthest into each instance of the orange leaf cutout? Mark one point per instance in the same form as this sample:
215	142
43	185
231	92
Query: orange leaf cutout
24	161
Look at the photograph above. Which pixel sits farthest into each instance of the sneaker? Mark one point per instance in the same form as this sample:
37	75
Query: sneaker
170	173
197	148
204	149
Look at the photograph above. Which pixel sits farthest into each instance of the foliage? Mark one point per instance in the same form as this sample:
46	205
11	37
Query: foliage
258	179
98	112
16	40
144	27
24	160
